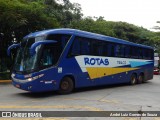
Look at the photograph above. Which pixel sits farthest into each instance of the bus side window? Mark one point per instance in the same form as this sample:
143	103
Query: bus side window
47	57
123	50
80	46
145	54
97	48
119	50
136	52
65	39
148	54
61	39
94	48
127	51
140	53
75	48
151	54
132	52
85	46
105	49
111	50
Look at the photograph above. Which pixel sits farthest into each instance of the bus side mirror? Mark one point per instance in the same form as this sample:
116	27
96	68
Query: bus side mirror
11	47
33	47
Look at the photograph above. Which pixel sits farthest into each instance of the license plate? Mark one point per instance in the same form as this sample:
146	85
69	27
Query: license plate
18	86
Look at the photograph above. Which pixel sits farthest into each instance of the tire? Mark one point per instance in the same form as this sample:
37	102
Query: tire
140	78
144	79
66	86
133	79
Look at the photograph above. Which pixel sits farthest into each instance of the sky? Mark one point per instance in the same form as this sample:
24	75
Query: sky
143	13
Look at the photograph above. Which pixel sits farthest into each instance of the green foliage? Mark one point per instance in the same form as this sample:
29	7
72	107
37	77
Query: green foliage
18	13
20	17
5	76
65	12
98	26
120	30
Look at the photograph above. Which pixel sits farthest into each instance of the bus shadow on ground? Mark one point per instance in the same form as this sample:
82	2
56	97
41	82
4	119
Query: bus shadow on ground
38	94
101	87
79	90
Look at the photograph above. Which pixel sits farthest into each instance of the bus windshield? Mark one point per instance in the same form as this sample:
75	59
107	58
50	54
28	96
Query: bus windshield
45	56
24	61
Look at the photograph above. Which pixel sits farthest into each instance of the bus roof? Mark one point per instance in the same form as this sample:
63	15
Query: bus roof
85	34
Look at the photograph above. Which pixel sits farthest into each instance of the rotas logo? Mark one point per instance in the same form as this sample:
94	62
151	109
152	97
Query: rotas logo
96	61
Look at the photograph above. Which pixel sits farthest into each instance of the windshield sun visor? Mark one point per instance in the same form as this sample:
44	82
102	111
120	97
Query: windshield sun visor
33	47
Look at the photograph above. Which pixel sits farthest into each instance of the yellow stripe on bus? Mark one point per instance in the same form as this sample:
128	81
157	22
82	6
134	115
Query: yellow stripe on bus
96	72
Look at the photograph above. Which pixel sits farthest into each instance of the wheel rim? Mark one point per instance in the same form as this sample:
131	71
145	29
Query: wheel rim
65	85
140	78
134	80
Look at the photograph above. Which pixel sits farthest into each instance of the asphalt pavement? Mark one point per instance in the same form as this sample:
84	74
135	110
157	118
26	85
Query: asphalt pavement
139	98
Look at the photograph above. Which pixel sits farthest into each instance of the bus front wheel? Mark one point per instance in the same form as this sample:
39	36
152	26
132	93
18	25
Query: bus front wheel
66	85
133	79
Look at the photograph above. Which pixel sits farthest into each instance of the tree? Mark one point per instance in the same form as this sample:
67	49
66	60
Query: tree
64	11
18	18
156	38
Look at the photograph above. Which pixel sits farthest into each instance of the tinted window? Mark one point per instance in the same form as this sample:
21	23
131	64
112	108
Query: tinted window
84	46
80	46
148	54
103	48
75	48
127	51
61	39
95	48
87	46
111	49
47	56
50	53
140	53
119	50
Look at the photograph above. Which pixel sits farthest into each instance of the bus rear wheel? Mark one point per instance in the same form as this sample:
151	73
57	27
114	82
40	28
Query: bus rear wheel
133	79
66	85
140	78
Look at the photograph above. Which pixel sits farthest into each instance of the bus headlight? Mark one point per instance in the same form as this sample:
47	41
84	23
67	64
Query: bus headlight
29	79
35	77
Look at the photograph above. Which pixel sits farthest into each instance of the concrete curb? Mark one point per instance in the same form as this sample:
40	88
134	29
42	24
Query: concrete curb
5	81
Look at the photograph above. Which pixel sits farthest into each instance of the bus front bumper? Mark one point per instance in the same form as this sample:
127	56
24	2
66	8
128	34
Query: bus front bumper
36	86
